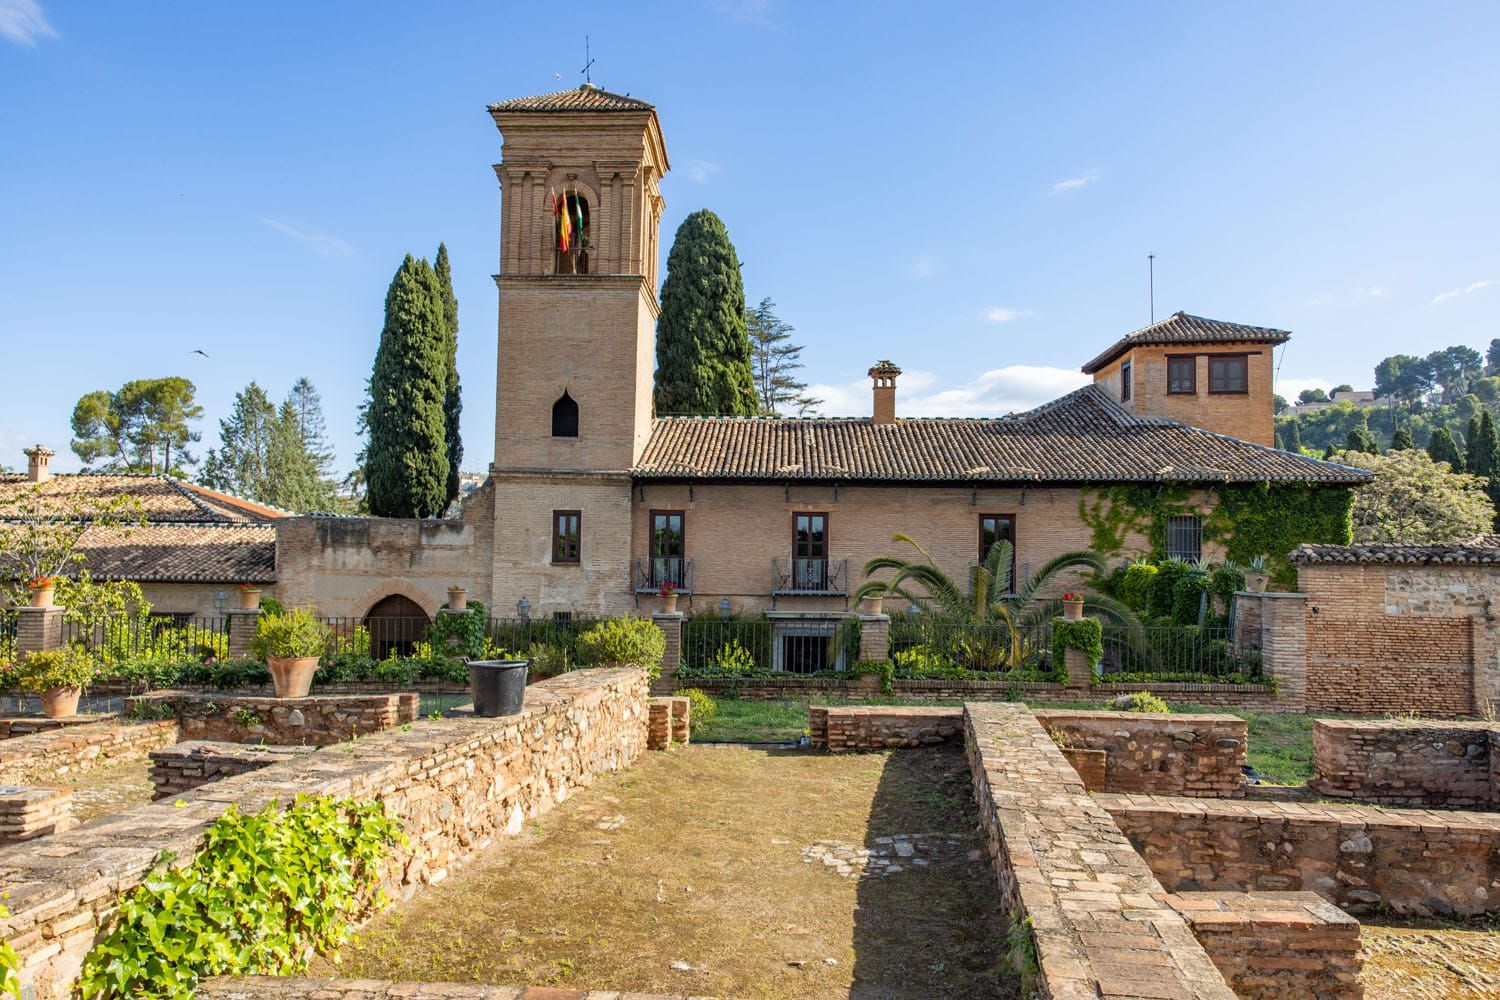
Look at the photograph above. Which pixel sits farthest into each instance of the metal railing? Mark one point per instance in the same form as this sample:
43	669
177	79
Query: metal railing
1174	649
651	572
922	646
802	575
132	637
714	646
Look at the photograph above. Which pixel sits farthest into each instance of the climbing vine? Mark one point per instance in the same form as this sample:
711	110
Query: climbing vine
1085	635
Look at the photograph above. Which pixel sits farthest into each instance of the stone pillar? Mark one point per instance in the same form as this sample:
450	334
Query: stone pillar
39	629
670	623
682	720
1080	672
240	624
1281	640
875	637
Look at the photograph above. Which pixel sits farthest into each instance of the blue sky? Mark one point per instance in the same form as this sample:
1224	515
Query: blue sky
968	189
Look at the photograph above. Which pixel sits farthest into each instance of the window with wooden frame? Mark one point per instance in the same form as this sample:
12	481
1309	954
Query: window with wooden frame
810	551
668	547
1228	373
566	533
998	528
1182	375
1125	374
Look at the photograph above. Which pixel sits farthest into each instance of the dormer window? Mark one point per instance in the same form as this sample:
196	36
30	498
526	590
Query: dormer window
565	417
570	221
1229	373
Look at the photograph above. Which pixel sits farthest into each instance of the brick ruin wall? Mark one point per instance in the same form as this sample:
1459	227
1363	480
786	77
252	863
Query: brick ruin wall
52	755
877	727
456	785
1249	696
1413	861
1198	755
1407	762
318	720
185	766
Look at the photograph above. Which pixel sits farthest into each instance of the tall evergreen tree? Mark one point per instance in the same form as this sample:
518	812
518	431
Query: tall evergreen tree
279	457
1402	439
773	360
241	462
1360	439
294	479
452	402
1484	454
1475	460
406	458
1293	441
1442	448
702	350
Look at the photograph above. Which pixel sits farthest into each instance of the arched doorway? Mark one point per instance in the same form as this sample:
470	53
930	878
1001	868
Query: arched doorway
395	623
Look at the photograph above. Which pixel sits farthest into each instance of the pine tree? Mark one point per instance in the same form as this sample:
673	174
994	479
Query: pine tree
294	479
702	350
452	402
241	463
406	459
1402	439
773	359
1442	448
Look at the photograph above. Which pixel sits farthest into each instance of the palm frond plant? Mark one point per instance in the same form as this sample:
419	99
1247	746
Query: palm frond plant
996	626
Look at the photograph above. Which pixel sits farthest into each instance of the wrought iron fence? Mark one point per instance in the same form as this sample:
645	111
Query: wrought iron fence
922	646
160	637
550	643
1164	651
713	646
809	575
652	572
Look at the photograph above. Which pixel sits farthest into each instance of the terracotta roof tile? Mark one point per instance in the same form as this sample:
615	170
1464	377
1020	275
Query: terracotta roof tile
1184	328
180	553
1084	437
161	498
584	98
1485	549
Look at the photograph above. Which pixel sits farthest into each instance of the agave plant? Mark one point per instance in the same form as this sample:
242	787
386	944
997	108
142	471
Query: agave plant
1001	620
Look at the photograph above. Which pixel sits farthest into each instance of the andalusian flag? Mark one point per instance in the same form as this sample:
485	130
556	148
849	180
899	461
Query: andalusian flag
577	218
564	223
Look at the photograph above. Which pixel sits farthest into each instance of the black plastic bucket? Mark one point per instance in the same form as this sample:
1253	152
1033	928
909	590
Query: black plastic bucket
498	686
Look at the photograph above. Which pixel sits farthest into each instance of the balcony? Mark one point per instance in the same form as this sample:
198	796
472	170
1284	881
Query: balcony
803	577
651	572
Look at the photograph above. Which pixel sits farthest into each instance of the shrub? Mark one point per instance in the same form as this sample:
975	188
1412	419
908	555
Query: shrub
1162	593
69	667
1187	598
293	634
924	661
460	634
10	965
703	708
548	659
635	641
1085	634
266	892
884	669
732	660
1139	701
1135	587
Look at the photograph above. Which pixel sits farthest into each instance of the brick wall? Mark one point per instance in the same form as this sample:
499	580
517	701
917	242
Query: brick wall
1251	696
25	725
455	784
315	721
1198	755
872	727
1357	857
28	813
54	754
1247	416
1406	762
184	766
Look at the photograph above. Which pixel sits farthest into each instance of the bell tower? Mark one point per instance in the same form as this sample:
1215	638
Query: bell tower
579	218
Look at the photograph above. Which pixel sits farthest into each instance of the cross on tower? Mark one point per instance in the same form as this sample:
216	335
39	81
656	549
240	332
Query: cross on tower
587	78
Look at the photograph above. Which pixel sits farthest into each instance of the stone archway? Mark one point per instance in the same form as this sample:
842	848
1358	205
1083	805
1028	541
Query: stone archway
395	623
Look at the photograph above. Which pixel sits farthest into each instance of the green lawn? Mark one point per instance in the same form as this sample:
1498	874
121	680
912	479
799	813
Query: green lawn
1280	744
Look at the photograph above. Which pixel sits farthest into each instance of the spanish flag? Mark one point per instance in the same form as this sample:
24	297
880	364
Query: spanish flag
564	223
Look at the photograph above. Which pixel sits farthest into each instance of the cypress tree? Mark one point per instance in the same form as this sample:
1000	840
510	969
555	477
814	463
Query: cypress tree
702	350
1442	448
1402	439
1293	436
452	403
406	460
1473	460
1484	452
1360	439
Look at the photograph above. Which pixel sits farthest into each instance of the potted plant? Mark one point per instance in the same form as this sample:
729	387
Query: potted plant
41	590
458	598
59	676
1072	603
291	644
249	597
1256	577
871	604
668	594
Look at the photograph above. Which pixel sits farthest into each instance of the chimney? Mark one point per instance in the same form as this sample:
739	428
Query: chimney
37	457
884	376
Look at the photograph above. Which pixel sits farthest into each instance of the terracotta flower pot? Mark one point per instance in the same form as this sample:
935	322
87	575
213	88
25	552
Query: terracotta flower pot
870	606
292	675
1256	582
1072	610
60	703
669	604
249	600
41	597
458	599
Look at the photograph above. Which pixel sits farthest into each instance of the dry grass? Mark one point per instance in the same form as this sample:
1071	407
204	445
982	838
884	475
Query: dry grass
706	869
1431	959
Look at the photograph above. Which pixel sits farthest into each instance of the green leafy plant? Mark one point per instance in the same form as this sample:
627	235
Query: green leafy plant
733	659
636	641
1139	701
460	633
247	718
266	893
295	633
883	669
1085	635
68	667
10	965
702	707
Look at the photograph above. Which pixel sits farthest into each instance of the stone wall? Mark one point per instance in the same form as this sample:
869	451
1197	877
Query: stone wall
278	987
318	720
28	813
456	785
25	725
1406	762
1160	754
1100	925
185	766
53	754
1274	945
876	727
1413	861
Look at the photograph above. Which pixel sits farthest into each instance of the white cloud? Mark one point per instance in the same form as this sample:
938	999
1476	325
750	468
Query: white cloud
1000	314
1074	183
1290	388
702	170
24	21
1457	292
995	393
326	246
1333	298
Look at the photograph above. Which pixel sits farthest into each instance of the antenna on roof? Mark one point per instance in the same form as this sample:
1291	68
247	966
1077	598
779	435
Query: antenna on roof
588	79
1151	284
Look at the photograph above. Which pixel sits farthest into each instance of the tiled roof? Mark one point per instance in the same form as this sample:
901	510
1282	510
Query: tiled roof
1084	437
1485	549
1183	328
160	498
584	98
182	553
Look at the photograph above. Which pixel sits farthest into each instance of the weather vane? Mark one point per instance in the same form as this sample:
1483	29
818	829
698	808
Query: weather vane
587	78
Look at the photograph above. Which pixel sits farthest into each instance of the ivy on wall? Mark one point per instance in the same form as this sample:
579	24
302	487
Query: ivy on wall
1249	520
1084	634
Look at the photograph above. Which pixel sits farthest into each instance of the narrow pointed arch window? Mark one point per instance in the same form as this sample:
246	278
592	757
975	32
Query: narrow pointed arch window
565	417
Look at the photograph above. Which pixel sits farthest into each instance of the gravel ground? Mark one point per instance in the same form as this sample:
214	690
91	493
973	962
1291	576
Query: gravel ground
1431	960
109	789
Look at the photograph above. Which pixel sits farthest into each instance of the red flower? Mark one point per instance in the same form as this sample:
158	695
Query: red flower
1070	596
667	589
41	582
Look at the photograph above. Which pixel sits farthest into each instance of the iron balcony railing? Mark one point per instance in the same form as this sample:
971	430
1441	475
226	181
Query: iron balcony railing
652	572
807	575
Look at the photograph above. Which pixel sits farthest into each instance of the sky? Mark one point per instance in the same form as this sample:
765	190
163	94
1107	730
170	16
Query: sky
968	189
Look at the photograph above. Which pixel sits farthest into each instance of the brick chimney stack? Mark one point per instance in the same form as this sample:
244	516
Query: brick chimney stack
884	376
37	457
